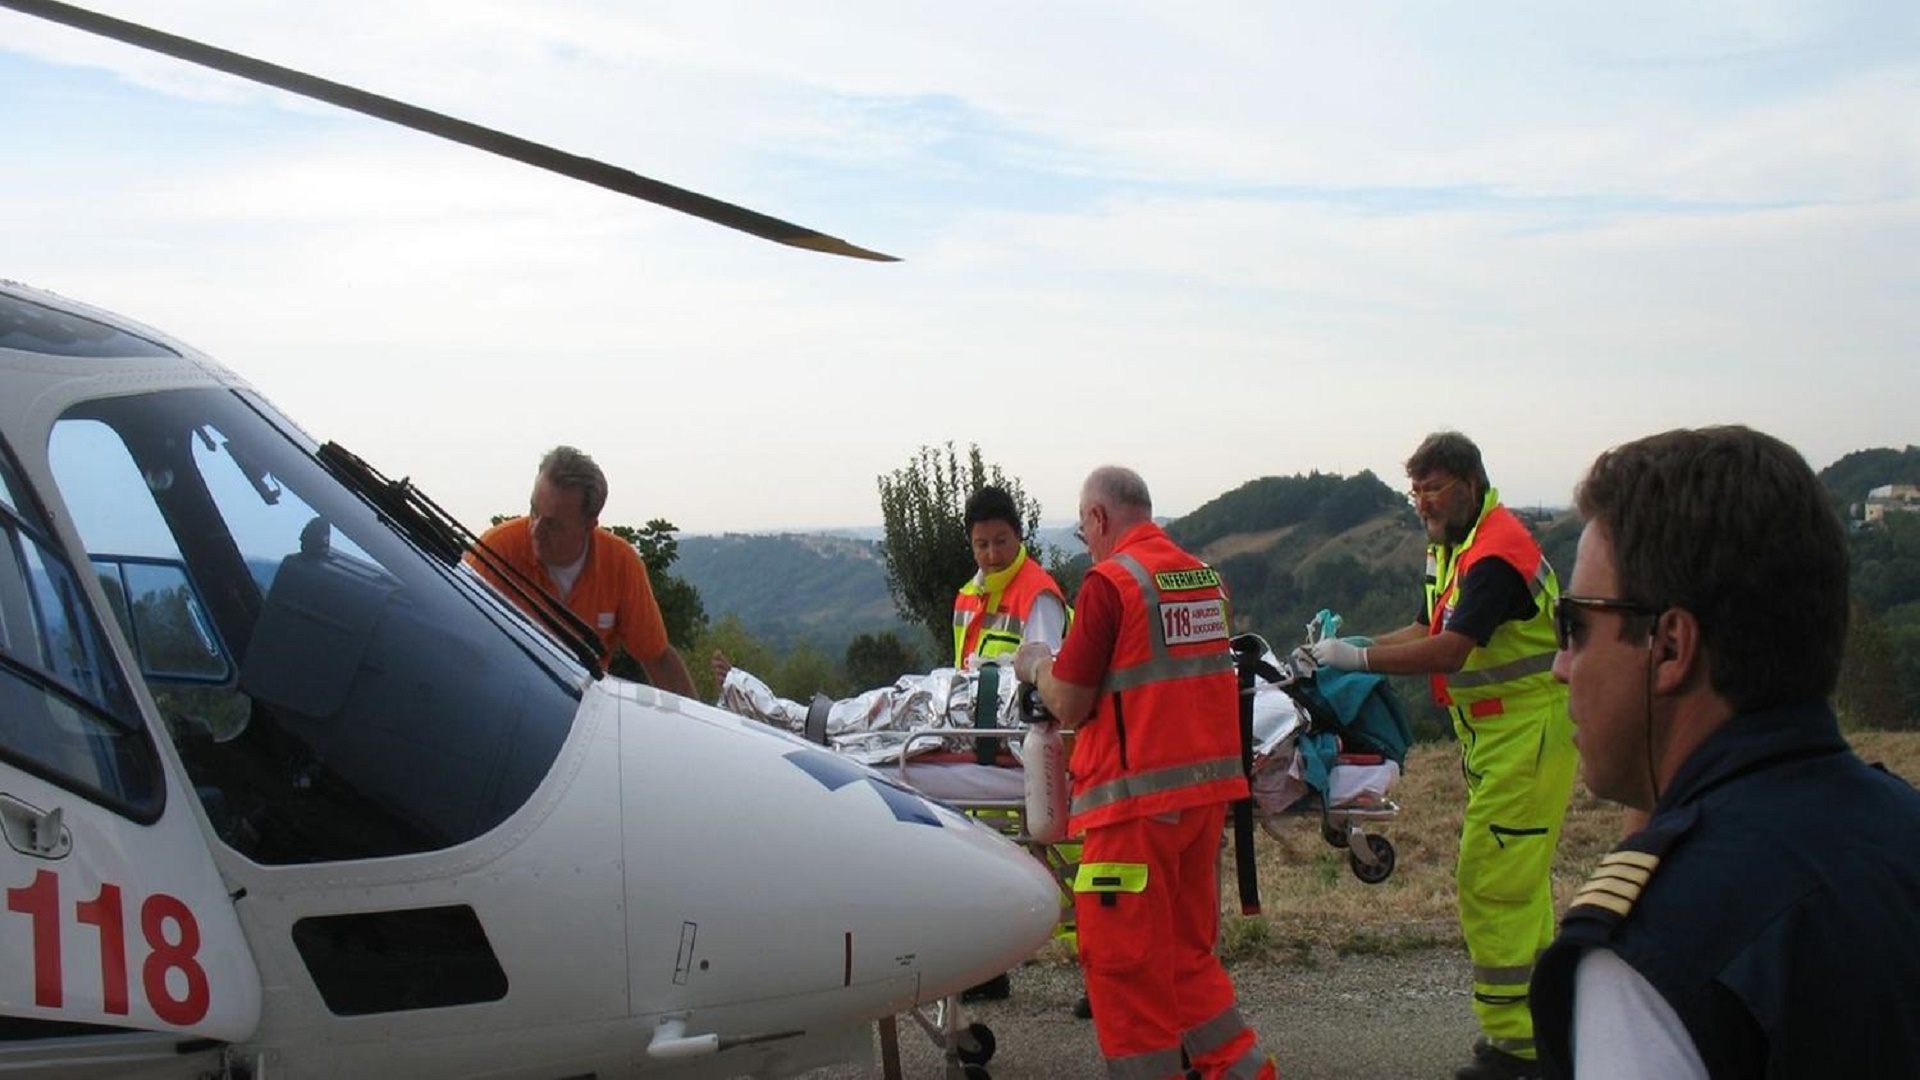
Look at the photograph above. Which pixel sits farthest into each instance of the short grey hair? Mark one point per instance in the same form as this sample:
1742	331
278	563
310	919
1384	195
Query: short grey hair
1118	487
572	470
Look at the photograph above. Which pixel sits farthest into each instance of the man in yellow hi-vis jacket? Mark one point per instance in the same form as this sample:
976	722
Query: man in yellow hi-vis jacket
1486	639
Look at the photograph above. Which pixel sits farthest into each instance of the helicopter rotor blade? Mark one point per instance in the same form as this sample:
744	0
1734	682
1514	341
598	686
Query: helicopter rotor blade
599	173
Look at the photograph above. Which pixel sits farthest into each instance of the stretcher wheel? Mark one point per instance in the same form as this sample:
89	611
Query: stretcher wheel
975	1072
980	1036
1382	850
1333	834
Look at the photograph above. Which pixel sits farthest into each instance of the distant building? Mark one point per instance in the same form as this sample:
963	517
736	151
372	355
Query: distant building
1892	499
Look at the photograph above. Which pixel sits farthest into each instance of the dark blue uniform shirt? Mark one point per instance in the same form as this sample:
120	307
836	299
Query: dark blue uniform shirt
1773	900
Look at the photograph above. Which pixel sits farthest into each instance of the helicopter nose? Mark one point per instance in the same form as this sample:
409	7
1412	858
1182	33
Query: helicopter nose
963	903
986	910
760	864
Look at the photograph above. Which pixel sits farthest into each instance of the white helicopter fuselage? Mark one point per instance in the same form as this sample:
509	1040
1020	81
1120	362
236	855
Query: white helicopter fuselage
287	794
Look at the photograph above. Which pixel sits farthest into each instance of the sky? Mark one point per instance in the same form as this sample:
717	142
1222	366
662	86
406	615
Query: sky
1211	241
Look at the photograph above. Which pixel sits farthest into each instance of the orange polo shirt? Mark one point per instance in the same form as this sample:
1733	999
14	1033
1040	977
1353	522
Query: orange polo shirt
612	594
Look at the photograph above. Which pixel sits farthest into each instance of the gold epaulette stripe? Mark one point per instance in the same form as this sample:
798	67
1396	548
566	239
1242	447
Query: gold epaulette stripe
1617	881
1603	900
1632	875
1640	859
1629	893
1625	890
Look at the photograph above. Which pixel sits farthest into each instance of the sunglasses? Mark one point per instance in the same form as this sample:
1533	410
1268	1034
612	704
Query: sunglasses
1566	624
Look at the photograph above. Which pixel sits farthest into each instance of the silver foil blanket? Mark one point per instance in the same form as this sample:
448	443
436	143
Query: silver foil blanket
872	727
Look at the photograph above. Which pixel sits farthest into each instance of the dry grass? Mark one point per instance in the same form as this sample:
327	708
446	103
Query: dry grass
1313	904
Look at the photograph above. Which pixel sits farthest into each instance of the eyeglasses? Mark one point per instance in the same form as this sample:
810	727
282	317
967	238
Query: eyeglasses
1080	531
1565	623
1417	494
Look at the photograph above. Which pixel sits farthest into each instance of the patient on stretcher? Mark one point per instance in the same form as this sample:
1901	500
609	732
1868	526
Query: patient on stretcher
872	727
1292	765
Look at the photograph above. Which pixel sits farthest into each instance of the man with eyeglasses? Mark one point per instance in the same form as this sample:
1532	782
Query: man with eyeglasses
1485	639
560	547
1766	920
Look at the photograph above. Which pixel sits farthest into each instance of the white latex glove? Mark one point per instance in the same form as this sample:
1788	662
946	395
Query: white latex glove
1026	660
1335	653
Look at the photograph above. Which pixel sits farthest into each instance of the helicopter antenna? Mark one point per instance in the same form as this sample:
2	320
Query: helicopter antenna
599	173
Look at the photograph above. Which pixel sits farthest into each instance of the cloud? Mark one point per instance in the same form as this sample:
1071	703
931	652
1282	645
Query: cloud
1210	243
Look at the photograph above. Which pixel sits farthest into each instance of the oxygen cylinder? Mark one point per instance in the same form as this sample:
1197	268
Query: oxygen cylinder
1043	756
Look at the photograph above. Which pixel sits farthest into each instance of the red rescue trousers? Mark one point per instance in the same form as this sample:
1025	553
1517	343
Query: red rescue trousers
1147	898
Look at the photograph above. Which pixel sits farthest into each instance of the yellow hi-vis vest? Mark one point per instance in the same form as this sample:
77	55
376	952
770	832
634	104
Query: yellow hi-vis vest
1518	659
989	616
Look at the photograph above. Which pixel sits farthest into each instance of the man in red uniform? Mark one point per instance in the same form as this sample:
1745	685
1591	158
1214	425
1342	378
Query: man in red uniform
561	547
1146	678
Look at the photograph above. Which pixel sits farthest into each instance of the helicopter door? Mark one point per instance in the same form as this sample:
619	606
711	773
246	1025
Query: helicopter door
111	910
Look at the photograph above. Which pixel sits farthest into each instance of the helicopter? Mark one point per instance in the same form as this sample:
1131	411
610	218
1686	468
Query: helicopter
288	789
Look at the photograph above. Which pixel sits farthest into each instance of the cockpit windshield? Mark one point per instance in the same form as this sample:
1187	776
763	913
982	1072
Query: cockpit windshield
334	692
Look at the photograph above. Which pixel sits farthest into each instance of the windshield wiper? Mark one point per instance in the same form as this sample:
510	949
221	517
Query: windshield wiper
441	536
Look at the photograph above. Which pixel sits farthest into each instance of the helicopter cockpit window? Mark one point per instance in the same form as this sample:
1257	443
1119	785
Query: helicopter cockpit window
30	327
334	693
65	711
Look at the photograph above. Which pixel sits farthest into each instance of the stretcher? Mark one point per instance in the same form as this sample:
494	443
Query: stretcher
950	734
953	735
1331	757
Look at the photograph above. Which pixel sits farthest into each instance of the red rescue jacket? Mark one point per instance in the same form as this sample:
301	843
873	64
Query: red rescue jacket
1165	734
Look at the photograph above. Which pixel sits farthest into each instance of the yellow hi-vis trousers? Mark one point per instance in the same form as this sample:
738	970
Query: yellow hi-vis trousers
1519	763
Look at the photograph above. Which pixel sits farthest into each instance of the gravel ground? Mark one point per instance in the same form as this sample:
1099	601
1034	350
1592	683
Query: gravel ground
1373	1017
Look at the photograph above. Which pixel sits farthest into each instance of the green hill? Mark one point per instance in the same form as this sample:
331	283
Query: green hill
1291	545
794	587
1857	473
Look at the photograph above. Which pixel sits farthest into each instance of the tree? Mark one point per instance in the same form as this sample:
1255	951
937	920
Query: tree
804	672
1869	692
680	606
878	659
730	637
927	556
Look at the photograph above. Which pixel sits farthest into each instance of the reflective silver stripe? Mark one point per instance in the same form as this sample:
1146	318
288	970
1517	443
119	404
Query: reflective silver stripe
1163	668
1153	783
1499	673
1150	594
1152	1065
1159	666
1503	976
1003	622
1518	1047
1215	1033
1250	1064
1539	579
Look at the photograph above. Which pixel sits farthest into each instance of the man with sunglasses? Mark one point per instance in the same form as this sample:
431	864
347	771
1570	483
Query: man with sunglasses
1763	922
1484	636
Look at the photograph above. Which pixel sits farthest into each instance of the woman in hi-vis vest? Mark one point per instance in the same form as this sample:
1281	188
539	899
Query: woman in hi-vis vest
1010	600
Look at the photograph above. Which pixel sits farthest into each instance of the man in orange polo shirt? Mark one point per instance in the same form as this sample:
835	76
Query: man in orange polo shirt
561	547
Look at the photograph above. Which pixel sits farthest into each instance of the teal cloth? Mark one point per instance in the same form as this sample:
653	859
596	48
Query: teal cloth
1368	719
1371	718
